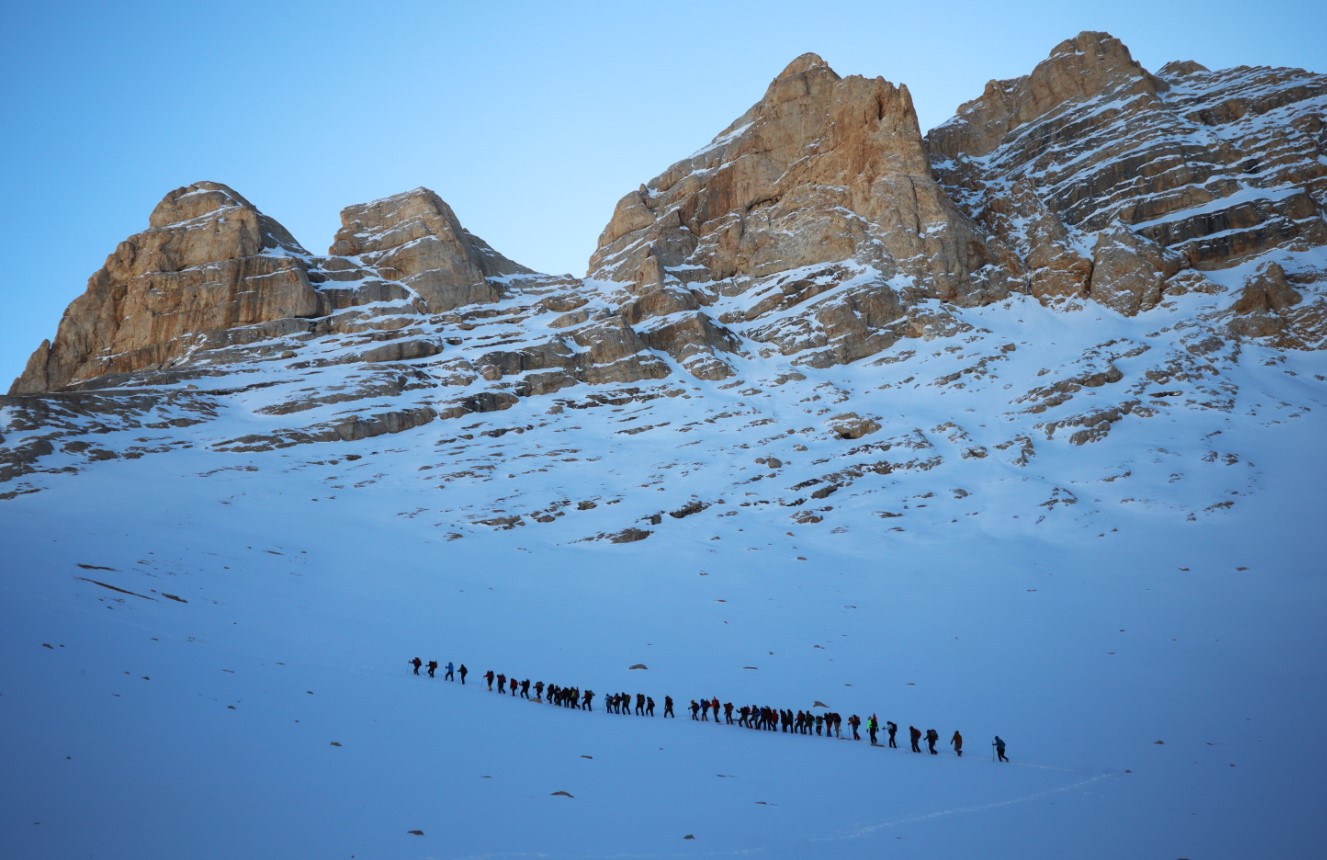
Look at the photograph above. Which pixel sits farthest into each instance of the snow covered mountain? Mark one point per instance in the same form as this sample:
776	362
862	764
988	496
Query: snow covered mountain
1013	429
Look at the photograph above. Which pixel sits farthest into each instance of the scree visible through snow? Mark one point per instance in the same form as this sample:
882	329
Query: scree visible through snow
206	656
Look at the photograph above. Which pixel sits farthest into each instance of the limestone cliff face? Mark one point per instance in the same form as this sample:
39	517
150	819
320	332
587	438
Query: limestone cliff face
209	260
1119	185
823	182
210	266
416	238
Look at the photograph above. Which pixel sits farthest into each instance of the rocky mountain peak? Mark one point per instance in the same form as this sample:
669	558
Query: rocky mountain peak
805	63
208	261
824	181
1089	65
1180	68
212	201
1123	187
416	238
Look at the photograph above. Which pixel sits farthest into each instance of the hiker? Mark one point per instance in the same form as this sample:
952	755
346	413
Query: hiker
957	743
538	688
872	726
820	723
488	676
695	709
640	704
416	663
589	700
931	737
513	686
668	707
450	674
714	706
649	706
893	728
728	712
855	721
464	672
525	689
915	735
999	748
502	683
433	667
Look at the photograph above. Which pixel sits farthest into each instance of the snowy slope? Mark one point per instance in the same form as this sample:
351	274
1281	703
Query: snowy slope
207	644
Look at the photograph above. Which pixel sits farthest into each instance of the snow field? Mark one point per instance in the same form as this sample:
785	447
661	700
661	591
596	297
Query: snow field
163	728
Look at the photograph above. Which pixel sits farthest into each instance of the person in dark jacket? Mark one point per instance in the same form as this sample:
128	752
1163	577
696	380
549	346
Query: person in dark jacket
464	672
931	737
999	748
416	663
855	721
957	743
893	730
668	707
916	735
433	667
488	676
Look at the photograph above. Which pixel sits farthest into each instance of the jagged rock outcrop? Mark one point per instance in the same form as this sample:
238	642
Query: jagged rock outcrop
822	184
415	238
208	261
1110	180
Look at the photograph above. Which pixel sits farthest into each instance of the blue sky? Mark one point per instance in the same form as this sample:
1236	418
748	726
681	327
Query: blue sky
530	119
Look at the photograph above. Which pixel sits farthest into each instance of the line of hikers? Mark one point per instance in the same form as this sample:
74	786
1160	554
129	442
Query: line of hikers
828	724
433	667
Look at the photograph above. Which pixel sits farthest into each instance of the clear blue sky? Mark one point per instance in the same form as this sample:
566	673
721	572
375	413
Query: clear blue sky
530	118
